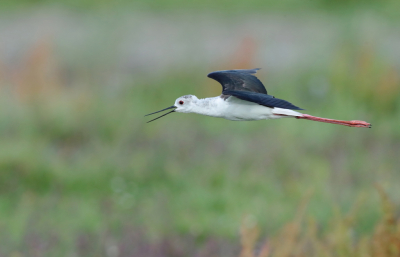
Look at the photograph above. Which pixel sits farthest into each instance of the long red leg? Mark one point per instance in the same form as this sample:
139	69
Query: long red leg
352	123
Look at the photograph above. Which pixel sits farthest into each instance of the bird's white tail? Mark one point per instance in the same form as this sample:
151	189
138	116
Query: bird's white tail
286	112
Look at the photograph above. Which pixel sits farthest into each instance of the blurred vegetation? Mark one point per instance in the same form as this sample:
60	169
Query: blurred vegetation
302	237
385	7
82	173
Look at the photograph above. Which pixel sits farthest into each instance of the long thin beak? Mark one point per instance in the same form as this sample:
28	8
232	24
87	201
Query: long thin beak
171	107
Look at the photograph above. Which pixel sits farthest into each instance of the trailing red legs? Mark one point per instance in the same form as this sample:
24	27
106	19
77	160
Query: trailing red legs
352	123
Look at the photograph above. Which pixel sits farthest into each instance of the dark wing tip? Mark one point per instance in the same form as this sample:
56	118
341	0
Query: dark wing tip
279	103
214	74
276	102
262	99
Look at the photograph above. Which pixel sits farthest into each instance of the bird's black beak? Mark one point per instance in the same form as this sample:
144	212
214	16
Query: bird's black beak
171	107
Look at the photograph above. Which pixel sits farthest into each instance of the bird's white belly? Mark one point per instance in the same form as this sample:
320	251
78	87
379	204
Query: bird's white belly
236	109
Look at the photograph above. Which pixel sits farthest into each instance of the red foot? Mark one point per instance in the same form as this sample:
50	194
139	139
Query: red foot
352	123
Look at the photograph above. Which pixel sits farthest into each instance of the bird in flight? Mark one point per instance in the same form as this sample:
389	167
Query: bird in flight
244	98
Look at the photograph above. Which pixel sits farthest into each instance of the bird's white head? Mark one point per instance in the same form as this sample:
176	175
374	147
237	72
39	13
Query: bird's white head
185	103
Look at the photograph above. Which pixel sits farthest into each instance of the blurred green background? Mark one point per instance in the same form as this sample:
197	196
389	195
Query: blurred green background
82	174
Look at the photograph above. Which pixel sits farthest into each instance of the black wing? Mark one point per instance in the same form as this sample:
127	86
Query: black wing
262	99
238	80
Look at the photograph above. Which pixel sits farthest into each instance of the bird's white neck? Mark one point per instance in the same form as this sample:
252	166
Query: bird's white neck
207	106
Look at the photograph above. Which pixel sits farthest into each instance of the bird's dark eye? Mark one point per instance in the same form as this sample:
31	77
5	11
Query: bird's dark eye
181	102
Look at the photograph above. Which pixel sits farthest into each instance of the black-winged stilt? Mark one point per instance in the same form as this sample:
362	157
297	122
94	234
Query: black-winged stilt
244	97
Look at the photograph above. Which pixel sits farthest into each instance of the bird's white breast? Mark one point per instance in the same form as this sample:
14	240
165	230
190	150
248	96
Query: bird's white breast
233	108
236	109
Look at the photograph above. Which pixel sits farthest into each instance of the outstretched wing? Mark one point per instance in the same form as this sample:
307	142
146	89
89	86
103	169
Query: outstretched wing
262	99
244	85
238	80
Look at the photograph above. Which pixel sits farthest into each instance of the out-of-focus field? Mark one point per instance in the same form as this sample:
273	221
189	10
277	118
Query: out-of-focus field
82	174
